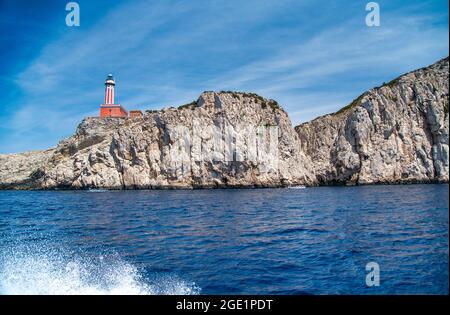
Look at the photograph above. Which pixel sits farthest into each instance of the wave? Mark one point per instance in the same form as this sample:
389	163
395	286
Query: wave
34	270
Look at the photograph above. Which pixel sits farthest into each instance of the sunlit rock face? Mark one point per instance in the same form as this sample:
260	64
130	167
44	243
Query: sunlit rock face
224	139
397	133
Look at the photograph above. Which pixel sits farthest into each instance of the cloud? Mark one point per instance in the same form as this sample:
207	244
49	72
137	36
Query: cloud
331	60
312	59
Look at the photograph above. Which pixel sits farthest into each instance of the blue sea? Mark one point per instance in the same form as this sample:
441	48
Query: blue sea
237	241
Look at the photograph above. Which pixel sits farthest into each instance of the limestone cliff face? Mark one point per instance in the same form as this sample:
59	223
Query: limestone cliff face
224	139
20	170
397	133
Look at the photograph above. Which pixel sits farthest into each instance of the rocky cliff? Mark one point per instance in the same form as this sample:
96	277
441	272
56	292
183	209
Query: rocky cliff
396	133
224	139
392	134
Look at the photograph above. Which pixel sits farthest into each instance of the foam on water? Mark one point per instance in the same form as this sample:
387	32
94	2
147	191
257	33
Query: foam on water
42	271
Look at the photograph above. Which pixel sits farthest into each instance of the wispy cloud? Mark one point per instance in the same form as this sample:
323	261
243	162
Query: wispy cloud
331	61
312	59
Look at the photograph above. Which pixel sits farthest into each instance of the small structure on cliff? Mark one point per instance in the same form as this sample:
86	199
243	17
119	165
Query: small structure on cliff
135	114
109	108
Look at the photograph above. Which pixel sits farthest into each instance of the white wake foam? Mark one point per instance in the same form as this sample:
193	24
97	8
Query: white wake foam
37	271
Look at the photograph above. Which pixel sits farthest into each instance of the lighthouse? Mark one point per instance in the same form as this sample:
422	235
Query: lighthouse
109	90
109	108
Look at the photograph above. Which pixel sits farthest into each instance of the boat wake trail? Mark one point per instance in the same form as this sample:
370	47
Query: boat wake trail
33	270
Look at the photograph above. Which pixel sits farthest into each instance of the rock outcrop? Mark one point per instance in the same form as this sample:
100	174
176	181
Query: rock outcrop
224	139
397	133
21	169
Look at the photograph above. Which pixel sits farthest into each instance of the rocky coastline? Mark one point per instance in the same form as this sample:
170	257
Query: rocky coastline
393	134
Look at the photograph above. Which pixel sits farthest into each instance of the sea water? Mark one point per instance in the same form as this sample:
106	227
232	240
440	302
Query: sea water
236	241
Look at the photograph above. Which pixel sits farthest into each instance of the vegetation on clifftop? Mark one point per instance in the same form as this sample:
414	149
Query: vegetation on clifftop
190	105
257	98
355	102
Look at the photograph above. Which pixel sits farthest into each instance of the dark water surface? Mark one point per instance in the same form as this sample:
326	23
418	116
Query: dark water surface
263	241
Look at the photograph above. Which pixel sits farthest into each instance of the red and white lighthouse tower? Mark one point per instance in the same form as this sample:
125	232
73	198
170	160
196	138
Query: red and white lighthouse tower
109	109
109	90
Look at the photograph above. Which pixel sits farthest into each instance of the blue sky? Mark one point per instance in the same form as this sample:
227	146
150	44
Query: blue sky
312	58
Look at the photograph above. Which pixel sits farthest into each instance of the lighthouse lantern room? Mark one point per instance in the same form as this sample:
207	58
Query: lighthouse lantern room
109	108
